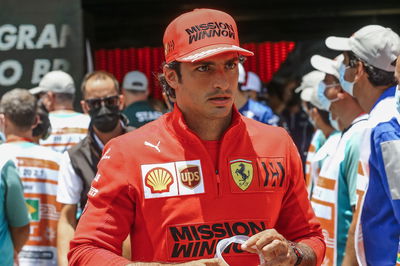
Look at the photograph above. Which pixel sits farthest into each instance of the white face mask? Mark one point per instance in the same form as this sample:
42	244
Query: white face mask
334	122
346	85
397	98
325	102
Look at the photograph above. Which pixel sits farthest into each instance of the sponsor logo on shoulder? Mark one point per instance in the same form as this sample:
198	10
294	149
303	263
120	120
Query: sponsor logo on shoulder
105	155
156	147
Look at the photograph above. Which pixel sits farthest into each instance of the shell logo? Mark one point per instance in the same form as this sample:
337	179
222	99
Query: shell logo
159	180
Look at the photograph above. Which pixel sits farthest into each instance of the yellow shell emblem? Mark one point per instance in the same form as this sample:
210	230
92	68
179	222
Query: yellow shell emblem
159	180
242	173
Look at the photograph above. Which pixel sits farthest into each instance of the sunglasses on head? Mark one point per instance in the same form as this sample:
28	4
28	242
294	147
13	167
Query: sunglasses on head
109	101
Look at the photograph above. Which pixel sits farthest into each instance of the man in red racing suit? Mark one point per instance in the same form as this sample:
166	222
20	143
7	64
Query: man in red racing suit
178	190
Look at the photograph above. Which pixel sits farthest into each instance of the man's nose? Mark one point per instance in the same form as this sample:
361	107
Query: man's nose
221	79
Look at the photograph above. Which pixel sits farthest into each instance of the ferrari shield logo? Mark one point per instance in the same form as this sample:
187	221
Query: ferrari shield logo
242	173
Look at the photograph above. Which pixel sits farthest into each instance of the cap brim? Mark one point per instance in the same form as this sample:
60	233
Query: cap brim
37	90
306	94
300	88
212	50
323	64
338	43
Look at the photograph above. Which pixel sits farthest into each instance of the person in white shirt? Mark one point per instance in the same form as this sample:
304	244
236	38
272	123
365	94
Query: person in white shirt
68	126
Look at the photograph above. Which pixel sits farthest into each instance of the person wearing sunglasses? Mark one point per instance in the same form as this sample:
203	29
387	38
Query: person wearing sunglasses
367	73
103	102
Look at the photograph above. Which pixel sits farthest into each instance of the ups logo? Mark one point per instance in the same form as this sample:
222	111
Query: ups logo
190	176
273	172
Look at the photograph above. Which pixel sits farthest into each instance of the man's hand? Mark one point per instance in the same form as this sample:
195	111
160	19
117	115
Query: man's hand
273	246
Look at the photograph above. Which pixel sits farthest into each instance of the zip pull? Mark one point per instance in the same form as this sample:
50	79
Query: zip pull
218	183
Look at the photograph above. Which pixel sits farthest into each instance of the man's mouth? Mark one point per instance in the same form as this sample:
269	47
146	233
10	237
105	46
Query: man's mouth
220	100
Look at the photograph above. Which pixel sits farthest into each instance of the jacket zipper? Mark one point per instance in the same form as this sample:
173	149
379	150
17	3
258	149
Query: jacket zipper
218	183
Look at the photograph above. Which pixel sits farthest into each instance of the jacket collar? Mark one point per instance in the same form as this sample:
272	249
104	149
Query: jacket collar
176	124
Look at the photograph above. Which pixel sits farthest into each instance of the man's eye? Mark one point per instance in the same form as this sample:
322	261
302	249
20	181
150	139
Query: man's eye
203	68
231	65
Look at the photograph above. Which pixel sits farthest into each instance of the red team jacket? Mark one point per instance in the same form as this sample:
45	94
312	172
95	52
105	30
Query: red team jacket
159	184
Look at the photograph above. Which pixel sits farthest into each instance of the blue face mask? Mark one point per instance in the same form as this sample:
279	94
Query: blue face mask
397	98
334	123
346	85
326	104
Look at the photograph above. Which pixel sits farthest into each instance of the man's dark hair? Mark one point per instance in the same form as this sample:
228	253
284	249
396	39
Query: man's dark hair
176	66
20	107
64	97
376	76
99	75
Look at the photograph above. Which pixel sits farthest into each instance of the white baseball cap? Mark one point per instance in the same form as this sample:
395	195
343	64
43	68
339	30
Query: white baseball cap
37	90
374	44
252	83
58	82
311	80
136	81
310	95
242	74
327	65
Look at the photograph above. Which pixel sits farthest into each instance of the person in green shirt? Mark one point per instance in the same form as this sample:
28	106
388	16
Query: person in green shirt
14	217
138	109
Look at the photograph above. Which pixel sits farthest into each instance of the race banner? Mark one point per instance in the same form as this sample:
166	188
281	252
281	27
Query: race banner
37	37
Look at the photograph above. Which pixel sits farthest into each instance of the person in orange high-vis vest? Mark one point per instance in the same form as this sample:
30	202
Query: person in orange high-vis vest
38	170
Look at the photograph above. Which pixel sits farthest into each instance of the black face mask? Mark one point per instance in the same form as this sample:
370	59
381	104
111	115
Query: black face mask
43	129
105	119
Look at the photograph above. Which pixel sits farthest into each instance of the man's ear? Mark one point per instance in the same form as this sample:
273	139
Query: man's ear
36	122
84	107
360	71
171	77
121	103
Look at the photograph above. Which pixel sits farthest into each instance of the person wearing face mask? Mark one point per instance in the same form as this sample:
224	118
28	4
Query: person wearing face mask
340	169
381	210
367	73
103	102
319	118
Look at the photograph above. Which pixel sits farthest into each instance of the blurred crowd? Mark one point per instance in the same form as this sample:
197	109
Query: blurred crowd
343	117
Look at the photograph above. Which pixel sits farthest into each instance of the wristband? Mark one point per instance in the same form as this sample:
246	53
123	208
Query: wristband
298	252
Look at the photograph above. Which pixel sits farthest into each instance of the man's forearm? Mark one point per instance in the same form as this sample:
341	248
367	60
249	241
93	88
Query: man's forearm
350	258
309	257
65	233
19	236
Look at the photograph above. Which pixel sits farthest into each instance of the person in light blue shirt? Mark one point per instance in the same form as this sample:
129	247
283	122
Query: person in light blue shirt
245	100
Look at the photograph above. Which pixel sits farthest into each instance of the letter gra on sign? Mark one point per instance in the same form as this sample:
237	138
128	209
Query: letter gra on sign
25	35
